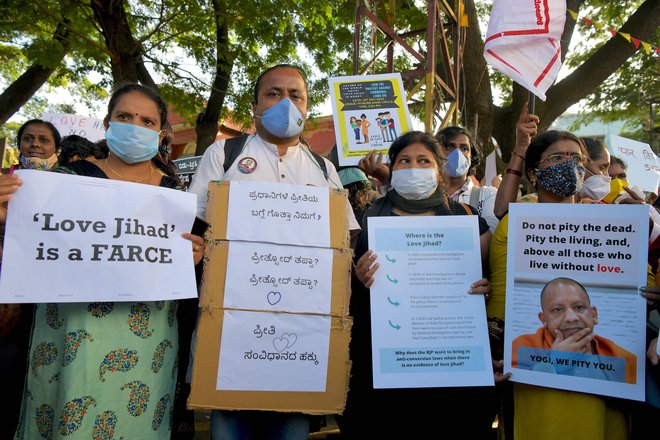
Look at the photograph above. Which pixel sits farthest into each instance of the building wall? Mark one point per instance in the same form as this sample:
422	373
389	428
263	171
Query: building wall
595	129
319	133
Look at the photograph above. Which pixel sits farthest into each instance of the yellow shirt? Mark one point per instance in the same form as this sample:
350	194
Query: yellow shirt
546	413
497	257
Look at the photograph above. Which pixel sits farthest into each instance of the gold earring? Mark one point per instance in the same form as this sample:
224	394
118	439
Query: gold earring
533	180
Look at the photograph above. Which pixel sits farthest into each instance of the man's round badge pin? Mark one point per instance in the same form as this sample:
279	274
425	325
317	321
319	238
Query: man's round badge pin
247	165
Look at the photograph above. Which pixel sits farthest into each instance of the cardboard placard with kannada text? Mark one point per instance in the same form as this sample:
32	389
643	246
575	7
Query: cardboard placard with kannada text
274	329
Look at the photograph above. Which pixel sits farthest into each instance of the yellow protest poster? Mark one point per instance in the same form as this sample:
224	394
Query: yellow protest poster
369	111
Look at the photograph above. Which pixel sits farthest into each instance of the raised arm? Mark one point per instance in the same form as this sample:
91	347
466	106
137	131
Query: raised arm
526	129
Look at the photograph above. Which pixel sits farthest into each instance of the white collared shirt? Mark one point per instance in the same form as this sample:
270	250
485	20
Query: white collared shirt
297	167
485	205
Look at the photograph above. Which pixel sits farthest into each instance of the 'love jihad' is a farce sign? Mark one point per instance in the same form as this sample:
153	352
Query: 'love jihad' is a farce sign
80	239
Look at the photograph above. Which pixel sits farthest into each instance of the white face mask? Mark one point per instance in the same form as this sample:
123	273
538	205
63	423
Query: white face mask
415	183
596	187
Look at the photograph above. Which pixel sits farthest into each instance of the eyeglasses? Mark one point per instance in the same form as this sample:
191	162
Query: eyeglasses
562	157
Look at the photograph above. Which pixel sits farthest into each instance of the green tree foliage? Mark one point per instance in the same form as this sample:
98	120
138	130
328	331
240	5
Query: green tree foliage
9	131
182	43
233	42
205	55
47	43
620	96
606	72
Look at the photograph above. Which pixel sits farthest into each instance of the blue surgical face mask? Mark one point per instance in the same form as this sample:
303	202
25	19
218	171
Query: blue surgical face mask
283	120
415	183
132	143
457	164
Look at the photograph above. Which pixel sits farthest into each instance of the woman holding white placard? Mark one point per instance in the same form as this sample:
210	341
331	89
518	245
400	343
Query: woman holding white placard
554	163
418	189
103	369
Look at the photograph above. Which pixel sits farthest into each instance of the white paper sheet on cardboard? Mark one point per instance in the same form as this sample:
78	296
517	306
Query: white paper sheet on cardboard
273	352
279	213
278	277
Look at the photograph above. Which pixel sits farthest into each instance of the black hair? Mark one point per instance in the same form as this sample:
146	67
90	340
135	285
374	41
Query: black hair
417	137
103	145
446	134
594	147
165	147
74	145
360	197
162	159
53	131
542	142
257	84
163	163
333	156
146	91
614	160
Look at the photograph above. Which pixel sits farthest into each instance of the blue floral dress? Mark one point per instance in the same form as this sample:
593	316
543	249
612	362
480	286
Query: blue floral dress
101	370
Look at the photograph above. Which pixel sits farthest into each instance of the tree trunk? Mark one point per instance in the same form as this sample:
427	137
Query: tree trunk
21	90
582	81
478	94
125	53
207	121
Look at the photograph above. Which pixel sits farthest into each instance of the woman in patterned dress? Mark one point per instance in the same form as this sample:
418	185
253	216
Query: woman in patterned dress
38	144
108	370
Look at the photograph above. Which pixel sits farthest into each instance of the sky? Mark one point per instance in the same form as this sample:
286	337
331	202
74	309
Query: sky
325	108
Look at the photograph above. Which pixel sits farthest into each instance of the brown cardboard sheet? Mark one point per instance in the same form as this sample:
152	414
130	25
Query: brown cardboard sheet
203	394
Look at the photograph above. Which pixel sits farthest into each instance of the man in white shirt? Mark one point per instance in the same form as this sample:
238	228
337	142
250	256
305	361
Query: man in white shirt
273	154
265	157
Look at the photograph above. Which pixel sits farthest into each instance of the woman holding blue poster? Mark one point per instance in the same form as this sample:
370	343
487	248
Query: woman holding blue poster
418	188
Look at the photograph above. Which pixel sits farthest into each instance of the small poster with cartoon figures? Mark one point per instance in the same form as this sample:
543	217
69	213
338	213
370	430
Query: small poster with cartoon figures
369	111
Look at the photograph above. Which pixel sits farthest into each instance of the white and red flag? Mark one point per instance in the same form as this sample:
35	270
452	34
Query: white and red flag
523	41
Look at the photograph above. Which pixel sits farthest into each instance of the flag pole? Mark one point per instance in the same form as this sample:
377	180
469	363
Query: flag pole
530	103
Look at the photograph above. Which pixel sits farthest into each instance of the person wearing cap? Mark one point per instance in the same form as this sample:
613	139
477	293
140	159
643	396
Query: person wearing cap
360	191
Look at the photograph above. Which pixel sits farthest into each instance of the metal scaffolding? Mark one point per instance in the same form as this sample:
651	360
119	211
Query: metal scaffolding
438	63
